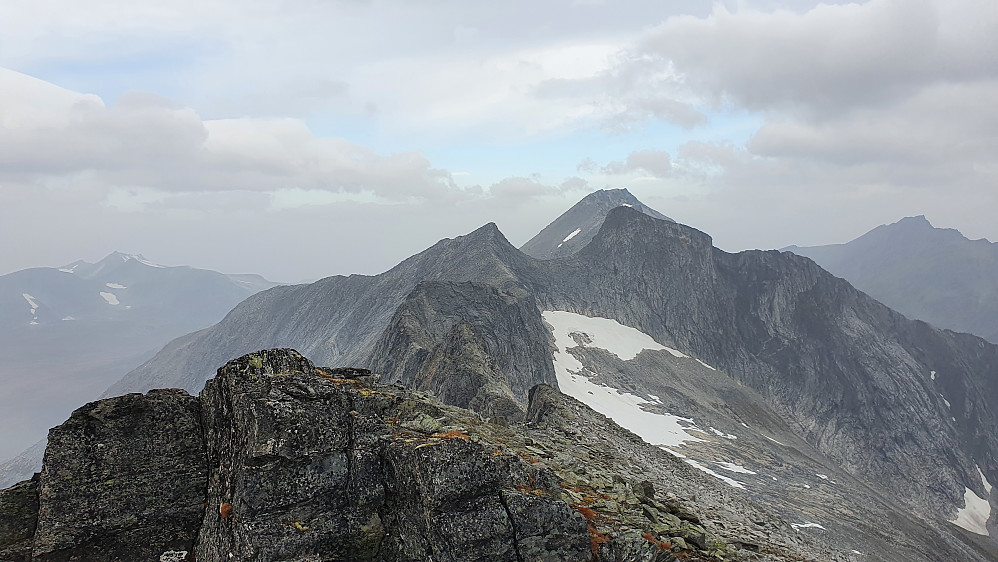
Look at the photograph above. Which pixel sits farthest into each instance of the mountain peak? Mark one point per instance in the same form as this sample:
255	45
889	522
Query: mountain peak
573	230
915	221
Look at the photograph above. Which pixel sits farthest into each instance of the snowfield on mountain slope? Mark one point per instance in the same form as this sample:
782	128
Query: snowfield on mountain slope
663	430
976	511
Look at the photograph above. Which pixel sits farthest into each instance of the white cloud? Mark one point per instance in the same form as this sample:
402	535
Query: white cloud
832	57
145	142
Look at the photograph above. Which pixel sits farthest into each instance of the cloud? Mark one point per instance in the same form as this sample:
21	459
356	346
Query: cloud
655	162
828	59
145	141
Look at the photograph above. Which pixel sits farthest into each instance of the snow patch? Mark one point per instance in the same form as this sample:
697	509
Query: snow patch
110	298
987	485
773	440
822	476
706	365
141	260
808	486
33	323
732	467
570	236
664	430
932	375
67	270
68	318
720	433
675	353
730	481
626	205
604	333
945	401
798	526
31	301
114	286
975	513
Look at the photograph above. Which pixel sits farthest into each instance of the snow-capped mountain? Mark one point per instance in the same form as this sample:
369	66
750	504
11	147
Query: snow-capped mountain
67	332
575	228
760	369
933	274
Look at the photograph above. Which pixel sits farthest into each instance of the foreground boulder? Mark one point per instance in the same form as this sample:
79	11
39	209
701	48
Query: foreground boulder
123	479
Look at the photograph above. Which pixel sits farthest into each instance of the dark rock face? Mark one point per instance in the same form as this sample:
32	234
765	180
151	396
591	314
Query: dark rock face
852	375
123	479
472	345
305	464
18	519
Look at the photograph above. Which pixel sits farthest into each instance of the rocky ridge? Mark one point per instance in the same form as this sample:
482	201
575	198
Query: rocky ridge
470	344
904	408
280	460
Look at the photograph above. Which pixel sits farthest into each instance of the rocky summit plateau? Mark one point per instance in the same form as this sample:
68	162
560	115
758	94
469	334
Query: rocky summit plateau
642	395
280	460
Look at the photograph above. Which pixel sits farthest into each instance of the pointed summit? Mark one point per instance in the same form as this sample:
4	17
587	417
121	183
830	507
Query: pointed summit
574	229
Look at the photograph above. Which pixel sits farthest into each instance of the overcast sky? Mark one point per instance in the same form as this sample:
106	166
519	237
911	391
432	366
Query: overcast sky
311	138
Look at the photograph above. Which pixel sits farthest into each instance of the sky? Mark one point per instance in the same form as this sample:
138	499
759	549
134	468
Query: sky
311	138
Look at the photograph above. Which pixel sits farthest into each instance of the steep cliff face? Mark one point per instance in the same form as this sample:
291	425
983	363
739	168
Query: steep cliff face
854	377
280	460
472	345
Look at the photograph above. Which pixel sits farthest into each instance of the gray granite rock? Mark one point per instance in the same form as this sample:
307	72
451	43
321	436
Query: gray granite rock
123	479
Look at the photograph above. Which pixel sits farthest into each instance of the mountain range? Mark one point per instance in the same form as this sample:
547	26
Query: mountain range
68	332
933	274
783	388
828	379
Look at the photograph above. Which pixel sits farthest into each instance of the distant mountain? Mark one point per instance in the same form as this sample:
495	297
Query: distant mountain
68	332
933	274
773	365
574	229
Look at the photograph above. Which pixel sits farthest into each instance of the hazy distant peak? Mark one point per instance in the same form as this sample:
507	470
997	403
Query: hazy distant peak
918	221
574	229
925	272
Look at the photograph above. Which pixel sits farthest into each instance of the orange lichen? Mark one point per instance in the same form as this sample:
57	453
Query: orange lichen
531	490
453	434
662	545
596	538
586	512
225	510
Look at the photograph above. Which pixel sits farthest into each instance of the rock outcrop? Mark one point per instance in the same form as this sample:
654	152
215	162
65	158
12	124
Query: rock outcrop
470	344
280	460
18	520
123	479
